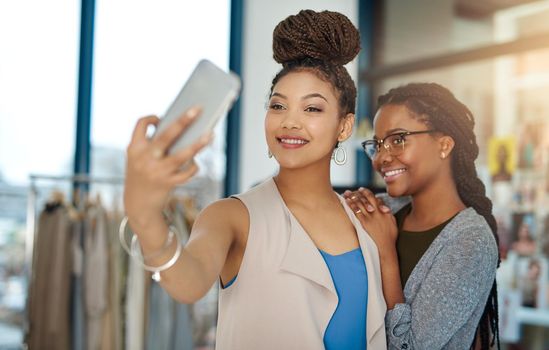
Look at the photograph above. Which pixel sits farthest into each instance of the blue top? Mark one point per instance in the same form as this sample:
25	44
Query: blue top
347	327
229	283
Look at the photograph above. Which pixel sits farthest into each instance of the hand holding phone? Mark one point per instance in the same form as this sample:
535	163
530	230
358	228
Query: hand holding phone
209	88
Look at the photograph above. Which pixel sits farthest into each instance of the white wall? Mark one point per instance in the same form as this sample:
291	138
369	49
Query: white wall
259	68
411	33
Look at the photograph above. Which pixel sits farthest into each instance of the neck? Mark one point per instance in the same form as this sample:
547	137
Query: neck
435	204
308	186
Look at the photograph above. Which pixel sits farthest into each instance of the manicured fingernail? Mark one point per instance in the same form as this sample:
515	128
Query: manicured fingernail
385	208
192	112
361	188
370	208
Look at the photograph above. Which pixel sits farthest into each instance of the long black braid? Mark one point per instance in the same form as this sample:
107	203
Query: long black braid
437	107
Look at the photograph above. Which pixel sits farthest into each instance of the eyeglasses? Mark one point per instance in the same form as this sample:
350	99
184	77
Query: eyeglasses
393	143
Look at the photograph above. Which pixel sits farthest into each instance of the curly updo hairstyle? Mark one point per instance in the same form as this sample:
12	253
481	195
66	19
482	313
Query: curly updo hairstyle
320	42
437	107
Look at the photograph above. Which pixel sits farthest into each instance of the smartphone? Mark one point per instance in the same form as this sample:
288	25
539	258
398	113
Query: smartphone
210	88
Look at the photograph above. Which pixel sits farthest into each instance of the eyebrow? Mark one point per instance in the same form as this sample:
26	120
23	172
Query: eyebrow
314	95
303	98
392	131
279	95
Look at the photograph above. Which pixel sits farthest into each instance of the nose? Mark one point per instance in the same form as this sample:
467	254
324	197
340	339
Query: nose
291	120
383	156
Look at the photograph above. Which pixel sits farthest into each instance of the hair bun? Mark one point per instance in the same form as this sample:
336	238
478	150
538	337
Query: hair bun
327	36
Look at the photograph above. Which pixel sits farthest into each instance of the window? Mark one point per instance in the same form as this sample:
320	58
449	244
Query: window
38	79
141	61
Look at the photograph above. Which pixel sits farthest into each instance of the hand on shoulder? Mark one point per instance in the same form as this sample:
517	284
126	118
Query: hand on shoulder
375	217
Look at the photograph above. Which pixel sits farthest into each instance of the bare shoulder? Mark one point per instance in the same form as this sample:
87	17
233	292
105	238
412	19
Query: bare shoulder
229	212
226	206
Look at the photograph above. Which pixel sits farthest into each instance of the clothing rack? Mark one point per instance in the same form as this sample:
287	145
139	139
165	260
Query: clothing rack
202	189
192	188
31	205
77	179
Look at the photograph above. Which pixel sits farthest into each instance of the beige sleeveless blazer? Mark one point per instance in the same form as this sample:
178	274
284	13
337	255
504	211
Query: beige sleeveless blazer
284	296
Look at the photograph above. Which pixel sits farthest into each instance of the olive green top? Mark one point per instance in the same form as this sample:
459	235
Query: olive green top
412	245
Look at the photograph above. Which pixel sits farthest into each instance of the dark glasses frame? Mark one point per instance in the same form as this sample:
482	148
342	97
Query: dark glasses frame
388	147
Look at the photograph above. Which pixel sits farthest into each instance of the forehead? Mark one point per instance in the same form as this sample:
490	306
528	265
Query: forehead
302	83
391	117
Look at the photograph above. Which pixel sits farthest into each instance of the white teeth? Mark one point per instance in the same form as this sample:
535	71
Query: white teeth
293	141
394	172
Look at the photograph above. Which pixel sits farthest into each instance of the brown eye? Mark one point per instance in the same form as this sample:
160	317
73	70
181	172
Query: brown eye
312	109
395	140
276	106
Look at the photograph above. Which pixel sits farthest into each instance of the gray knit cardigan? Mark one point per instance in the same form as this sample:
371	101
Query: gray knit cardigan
448	289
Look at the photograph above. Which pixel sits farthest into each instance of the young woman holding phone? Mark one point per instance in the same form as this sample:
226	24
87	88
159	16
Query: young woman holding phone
297	269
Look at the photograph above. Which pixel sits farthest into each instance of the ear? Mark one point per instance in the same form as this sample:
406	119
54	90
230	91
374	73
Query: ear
346	127
446	145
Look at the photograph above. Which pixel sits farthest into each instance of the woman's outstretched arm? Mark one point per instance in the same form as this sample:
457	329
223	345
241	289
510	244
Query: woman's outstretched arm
151	176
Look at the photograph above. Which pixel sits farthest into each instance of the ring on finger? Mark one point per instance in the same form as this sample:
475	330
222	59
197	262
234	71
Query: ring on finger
358	211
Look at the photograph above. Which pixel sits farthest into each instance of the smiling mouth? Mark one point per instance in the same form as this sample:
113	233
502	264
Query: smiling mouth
393	172
292	141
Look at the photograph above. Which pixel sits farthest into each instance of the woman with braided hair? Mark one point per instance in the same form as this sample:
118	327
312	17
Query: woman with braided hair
297	270
439	251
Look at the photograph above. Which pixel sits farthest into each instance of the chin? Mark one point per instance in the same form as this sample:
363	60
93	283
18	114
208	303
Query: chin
290	164
396	191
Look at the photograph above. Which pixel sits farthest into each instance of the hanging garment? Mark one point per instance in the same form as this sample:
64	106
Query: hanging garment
96	263
112	327
135	311
49	295
183	337
160	319
169	323
78	322
183	328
